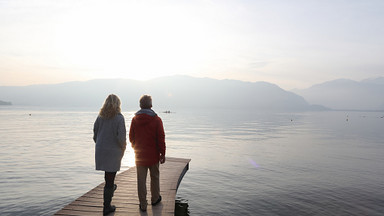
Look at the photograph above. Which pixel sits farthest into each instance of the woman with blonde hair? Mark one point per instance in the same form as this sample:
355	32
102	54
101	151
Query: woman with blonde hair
109	134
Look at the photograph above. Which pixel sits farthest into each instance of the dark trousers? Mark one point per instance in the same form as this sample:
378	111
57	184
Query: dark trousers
109	178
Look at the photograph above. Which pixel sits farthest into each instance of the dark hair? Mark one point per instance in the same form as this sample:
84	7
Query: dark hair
146	102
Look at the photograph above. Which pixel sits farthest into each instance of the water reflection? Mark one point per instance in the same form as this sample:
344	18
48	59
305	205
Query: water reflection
316	160
128	160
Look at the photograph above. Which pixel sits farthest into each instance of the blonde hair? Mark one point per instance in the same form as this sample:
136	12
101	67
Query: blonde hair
146	102
111	107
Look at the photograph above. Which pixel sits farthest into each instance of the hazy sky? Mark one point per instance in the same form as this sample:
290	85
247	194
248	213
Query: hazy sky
292	43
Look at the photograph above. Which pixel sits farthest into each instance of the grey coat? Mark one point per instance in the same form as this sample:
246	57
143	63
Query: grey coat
110	138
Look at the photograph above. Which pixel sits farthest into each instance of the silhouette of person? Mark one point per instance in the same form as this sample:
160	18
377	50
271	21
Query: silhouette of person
147	137
109	134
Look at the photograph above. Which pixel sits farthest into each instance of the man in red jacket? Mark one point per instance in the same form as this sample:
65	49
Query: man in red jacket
148	140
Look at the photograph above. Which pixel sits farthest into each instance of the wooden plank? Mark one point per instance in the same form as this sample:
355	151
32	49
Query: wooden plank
125	197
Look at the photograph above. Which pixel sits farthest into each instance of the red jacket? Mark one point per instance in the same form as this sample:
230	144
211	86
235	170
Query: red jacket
147	138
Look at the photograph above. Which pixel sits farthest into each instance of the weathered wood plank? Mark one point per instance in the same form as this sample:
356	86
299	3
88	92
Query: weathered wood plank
125	198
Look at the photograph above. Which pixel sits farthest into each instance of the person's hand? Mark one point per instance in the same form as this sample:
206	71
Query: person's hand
162	159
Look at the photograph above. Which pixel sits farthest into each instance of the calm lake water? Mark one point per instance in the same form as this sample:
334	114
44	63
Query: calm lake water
243	162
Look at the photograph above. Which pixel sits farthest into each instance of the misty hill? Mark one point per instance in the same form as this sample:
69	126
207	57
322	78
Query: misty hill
168	93
5	103
347	94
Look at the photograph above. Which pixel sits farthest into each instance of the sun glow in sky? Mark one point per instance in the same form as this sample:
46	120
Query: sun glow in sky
293	44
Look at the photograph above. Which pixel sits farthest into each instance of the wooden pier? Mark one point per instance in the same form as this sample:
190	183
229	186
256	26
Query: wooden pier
125	197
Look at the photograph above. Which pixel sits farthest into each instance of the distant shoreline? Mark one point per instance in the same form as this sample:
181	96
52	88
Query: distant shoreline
355	110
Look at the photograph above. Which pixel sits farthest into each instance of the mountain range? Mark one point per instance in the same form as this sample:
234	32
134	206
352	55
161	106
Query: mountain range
179	92
169	93
346	94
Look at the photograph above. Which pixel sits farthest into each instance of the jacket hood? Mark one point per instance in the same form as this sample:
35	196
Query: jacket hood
149	112
145	116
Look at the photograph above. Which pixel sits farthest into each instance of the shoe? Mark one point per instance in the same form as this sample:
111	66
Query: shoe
109	209
141	209
157	202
